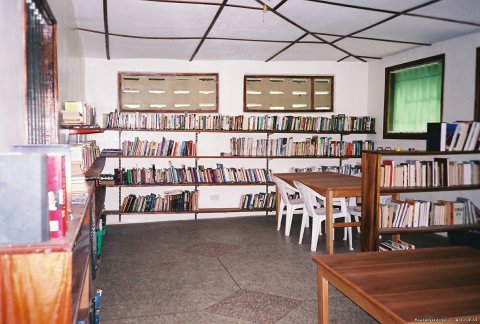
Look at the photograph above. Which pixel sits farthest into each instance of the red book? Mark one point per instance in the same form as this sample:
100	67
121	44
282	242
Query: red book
57	198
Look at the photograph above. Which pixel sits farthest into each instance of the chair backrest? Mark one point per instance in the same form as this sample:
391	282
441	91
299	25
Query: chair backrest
283	187
308	198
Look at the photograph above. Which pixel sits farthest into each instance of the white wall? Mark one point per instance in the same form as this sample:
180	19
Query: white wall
101	91
12	66
12	83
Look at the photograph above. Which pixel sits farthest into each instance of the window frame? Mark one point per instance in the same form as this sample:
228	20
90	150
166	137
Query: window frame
388	92
476	115
41	83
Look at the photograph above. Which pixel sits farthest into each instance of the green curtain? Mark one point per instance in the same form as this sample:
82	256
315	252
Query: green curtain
417	94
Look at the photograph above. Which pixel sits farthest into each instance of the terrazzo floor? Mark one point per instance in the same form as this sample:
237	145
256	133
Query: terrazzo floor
236	270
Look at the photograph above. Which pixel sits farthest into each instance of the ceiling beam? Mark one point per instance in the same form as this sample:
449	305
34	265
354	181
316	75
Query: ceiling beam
398	14
219	11
286	47
105	26
376	39
310	33
281	3
207	4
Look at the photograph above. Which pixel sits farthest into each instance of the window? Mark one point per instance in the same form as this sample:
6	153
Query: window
41	73
413	97
267	93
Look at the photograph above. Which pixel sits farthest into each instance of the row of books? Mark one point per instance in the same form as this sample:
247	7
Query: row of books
76	113
165	147
84	154
348	169
314	146
457	136
420	213
175	200
258	201
436	173
192	121
193	175
393	245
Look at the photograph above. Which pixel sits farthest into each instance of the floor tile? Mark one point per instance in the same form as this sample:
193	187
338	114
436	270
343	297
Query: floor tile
254	306
211	248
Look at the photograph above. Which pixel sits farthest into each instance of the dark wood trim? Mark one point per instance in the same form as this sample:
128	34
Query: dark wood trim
343	58
281	3
376	39
476	115
189	184
105	25
47	14
285	48
207	4
427	229
398	14
387	92
420	153
212	23
310	33
239	131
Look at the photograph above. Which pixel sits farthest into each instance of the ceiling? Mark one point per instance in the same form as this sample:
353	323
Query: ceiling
270	30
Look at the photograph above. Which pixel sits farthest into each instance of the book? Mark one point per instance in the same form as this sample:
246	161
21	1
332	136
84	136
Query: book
24	209
57	195
440	135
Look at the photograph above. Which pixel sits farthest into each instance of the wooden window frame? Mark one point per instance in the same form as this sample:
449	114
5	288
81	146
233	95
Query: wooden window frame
311	95
122	100
476	115
388	86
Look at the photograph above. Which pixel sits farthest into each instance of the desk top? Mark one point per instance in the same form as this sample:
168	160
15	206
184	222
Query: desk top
340	185
407	285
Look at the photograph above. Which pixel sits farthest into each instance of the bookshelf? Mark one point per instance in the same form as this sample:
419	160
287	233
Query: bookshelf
372	190
263	127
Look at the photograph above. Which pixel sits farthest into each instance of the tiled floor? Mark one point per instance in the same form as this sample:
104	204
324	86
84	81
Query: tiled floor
237	270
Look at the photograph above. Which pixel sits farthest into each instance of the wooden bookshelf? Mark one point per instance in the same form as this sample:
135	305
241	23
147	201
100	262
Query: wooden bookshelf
371	191
111	184
199	211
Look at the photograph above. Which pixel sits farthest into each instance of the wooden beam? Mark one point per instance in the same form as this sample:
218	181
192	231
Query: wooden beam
105	25
219	11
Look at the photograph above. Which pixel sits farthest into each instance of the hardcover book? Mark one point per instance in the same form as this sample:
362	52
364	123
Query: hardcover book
24	207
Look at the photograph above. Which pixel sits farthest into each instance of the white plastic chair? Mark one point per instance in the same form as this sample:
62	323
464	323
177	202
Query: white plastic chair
318	215
286	201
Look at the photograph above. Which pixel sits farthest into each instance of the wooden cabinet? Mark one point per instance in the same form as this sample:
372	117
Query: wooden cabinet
372	190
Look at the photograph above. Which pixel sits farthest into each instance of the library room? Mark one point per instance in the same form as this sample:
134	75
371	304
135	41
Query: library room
240	161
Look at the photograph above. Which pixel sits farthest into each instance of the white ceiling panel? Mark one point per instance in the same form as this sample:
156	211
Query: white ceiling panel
121	47
89	14
147	18
364	47
310	52
393	5
467	10
323	18
232	50
420	30
93	44
253	24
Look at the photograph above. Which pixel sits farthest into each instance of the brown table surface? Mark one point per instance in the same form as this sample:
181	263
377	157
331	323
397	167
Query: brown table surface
330	185
422	285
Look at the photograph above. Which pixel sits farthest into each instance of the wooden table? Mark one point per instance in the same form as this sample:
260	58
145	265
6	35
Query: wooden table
330	185
423	285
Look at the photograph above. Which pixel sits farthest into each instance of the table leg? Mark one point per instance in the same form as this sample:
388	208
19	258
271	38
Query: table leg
322	292
277	203
329	222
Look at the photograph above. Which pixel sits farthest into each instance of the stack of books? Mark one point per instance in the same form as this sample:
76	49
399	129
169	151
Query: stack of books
457	136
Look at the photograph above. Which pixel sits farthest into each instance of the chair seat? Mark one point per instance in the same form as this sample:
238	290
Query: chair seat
295	201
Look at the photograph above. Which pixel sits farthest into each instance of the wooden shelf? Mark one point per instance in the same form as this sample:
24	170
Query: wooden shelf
228	157
429	229
391	190
191	184
200	211
83	130
240	131
421	153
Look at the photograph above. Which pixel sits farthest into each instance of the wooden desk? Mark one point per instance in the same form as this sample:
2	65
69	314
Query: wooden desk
330	185
423	285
